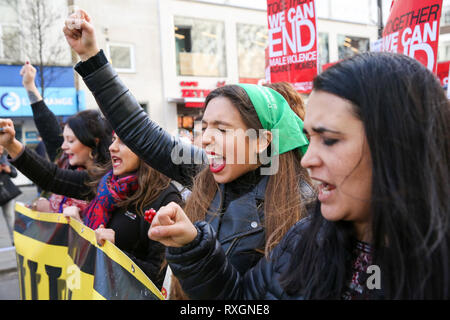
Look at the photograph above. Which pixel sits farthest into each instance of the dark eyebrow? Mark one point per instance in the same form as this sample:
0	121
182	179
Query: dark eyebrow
218	122
321	130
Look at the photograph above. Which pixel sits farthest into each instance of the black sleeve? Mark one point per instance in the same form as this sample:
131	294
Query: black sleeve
205	272
159	149
85	68
13	172
48	127
203	269
47	175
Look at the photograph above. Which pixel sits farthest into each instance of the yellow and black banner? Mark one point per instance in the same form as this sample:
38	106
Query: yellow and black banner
58	260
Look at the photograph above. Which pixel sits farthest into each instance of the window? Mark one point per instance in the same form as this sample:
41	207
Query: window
122	57
9	43
349	46
252	41
324	55
445	17
200	47
444	51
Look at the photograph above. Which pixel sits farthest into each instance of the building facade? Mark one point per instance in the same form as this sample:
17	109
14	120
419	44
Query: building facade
18	43
172	53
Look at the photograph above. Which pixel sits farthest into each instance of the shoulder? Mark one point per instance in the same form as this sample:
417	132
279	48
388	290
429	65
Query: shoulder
294	234
170	194
303	228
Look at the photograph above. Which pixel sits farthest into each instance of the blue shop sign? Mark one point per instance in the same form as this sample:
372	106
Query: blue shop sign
58	77
14	101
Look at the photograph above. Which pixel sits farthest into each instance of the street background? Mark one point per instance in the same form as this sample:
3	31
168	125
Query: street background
9	282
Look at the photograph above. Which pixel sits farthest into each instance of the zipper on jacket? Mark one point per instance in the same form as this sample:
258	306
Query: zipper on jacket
233	243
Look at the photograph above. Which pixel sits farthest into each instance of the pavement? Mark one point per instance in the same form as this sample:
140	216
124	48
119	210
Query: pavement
9	282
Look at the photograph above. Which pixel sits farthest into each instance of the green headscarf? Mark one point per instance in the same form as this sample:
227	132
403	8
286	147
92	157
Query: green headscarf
277	116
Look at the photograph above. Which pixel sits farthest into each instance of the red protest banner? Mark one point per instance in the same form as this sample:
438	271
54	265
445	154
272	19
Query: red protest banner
443	69
413	29
292	50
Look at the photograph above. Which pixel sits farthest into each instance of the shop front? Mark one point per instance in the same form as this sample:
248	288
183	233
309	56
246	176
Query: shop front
60	96
203	50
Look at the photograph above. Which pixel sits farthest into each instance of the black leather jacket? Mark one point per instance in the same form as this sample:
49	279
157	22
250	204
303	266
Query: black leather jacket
221	281
238	219
131	230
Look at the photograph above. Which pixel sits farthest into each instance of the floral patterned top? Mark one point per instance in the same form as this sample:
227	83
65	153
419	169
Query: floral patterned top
356	288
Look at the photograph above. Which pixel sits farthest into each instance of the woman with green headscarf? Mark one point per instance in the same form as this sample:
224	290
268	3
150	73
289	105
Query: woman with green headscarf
246	181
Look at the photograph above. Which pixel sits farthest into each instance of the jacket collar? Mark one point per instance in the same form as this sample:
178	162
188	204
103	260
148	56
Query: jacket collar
243	214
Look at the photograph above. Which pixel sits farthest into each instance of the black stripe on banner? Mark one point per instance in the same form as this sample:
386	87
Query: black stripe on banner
82	252
43	231
114	282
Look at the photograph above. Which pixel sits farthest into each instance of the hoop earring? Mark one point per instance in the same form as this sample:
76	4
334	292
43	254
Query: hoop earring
91	156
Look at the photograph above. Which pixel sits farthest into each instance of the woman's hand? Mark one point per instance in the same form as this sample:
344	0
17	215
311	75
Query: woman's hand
8	138
80	35
28	73
172	227
41	205
6	168
72	212
102	234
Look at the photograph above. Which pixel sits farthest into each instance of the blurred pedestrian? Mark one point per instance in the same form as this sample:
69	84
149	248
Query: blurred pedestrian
8	191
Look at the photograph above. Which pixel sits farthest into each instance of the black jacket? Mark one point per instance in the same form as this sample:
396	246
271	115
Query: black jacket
8	190
48	126
204	273
238	218
130	228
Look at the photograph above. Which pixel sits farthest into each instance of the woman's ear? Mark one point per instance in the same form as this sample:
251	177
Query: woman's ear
264	140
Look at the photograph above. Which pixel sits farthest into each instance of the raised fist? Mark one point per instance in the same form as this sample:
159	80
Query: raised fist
80	34
28	73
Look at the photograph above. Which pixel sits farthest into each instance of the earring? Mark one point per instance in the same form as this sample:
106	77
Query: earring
91	156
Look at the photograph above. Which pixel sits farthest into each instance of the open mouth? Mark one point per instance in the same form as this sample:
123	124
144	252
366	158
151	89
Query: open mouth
216	162
326	191
116	161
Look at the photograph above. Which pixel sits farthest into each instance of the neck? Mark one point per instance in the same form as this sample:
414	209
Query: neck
88	165
363	232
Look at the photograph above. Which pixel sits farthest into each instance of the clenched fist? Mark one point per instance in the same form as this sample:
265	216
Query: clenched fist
172	227
80	35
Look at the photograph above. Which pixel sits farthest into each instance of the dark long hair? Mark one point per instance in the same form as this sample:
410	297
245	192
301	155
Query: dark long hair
283	205
406	117
94	132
